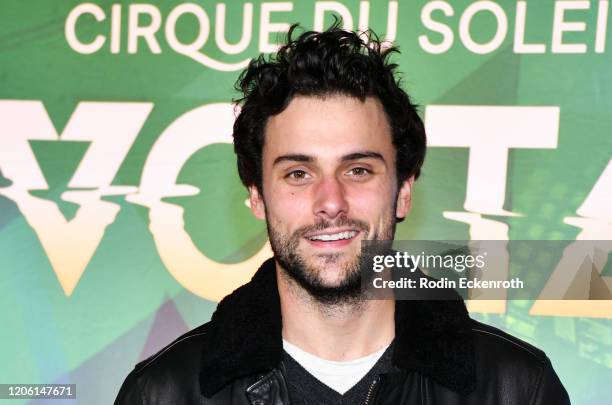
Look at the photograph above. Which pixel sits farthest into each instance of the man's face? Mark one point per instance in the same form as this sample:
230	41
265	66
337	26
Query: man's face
329	182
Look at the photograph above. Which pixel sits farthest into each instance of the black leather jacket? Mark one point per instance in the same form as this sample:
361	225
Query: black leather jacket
444	357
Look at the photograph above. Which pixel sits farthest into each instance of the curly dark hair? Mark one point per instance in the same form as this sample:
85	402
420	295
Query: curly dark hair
333	62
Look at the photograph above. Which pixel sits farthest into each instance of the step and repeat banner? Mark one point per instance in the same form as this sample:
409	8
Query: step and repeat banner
123	221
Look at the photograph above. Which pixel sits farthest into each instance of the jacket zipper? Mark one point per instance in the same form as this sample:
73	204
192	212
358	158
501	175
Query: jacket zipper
370	391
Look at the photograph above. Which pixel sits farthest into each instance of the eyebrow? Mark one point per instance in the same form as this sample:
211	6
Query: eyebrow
351	156
346	158
293	158
363	155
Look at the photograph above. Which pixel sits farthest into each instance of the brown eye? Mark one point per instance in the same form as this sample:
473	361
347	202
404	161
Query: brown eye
297	175
359	171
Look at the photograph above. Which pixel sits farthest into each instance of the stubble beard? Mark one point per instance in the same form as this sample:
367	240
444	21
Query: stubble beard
348	291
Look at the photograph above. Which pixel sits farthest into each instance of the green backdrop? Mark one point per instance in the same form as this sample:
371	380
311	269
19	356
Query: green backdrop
122	218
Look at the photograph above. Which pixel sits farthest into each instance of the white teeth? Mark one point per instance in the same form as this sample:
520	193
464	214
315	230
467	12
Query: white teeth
335	236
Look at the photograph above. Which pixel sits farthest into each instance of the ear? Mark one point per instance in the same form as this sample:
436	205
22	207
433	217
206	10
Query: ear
256	203
404	198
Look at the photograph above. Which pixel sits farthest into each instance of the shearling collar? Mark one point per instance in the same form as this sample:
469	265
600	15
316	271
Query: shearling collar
432	337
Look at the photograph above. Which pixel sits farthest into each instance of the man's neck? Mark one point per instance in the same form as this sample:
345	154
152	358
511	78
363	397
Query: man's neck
334	332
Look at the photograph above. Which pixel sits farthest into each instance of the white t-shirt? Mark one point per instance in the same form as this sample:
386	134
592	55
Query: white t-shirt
338	375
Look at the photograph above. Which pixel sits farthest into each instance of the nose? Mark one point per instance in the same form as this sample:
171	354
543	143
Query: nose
330	199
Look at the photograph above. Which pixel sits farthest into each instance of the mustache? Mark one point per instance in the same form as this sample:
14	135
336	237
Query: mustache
324	224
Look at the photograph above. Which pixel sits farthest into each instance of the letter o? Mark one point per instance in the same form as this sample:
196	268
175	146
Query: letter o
500	34
192	131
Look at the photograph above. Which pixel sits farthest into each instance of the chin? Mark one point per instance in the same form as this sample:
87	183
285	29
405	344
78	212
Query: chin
331	280
331	274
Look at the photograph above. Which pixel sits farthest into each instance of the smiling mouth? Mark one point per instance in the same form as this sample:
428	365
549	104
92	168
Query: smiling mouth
331	237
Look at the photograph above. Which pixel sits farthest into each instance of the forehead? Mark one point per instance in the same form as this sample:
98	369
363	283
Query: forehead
328	127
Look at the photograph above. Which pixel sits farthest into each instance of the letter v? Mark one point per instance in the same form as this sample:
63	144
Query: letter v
111	128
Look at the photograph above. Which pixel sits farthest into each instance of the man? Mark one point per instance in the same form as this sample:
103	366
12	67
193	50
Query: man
329	147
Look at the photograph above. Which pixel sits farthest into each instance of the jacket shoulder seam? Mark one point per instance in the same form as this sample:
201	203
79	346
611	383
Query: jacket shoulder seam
165	349
509	340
